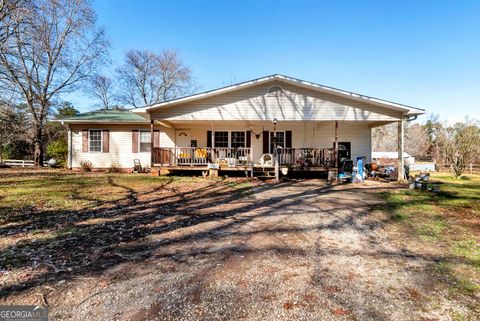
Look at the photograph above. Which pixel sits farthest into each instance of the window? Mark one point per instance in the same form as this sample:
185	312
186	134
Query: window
221	139
278	142
237	139
275	91
95	140
145	141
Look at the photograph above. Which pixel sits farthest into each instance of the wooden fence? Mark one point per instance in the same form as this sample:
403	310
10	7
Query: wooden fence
470	169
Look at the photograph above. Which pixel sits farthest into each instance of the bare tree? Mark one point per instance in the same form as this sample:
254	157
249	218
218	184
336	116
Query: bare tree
56	47
101	88
10	15
385	138
147	78
461	144
416	140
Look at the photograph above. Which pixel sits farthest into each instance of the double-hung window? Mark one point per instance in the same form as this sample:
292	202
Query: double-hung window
95	140
237	139
221	139
233	139
277	140
145	141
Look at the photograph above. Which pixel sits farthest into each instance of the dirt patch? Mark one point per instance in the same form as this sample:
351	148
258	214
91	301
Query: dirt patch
298	250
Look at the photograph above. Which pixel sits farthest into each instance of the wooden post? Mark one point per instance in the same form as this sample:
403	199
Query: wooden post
401	167
151	143
277	168
471	168
335	157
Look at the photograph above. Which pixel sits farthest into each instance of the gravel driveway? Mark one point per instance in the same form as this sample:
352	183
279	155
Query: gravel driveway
300	250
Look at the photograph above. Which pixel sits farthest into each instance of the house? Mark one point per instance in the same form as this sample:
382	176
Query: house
275	122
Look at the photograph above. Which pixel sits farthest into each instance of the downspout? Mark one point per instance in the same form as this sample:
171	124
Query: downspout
70	141
411	118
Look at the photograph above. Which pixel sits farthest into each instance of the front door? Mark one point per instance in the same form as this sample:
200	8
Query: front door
344	151
182	138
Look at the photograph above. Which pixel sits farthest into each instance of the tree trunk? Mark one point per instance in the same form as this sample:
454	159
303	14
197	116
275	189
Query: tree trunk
38	146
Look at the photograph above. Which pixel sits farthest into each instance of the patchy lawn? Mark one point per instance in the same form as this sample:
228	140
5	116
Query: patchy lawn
55	222
445	224
136	247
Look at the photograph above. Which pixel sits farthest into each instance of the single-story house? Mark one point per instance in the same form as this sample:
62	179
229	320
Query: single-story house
274	121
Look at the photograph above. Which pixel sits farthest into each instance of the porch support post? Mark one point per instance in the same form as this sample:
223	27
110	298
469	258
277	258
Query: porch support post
335	157
151	143
401	168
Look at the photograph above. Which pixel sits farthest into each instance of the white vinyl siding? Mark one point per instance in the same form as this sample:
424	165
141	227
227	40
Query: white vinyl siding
294	104
120	149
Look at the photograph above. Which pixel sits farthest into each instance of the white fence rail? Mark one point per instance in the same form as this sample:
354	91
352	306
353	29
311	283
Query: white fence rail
18	162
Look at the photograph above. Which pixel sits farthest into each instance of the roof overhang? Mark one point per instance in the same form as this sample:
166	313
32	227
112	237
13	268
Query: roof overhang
405	109
71	121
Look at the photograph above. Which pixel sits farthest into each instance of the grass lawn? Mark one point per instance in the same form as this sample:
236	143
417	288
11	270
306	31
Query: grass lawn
43	212
447	223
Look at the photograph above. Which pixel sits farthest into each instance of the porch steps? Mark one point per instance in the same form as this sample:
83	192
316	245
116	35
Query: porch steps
264	172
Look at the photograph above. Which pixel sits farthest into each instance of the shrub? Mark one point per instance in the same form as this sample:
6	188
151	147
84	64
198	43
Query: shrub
86	165
19	149
114	168
58	150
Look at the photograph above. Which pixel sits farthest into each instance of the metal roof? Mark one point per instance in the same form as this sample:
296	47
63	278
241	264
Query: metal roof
106	116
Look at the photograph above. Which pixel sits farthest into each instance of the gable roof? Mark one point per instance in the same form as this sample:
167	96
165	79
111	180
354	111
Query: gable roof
106	116
408	110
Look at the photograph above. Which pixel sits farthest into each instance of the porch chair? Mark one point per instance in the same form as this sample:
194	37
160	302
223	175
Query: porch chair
137	167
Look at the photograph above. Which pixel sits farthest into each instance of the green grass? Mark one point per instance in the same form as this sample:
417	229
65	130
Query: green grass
53	190
445	220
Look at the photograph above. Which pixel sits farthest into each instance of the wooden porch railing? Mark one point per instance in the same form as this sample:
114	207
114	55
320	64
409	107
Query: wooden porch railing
193	156
324	157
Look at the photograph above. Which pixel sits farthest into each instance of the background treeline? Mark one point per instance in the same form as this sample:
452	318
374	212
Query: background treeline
51	48
456	145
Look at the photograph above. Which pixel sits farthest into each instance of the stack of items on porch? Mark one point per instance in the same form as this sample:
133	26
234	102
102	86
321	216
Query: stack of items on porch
348	173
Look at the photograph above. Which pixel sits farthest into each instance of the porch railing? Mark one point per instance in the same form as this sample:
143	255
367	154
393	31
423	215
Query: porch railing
192	156
324	157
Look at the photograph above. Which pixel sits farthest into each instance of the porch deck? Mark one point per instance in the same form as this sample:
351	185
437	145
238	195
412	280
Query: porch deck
240	159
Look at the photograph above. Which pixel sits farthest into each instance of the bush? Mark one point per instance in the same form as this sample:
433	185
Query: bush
58	150
114	168
19	149
86	165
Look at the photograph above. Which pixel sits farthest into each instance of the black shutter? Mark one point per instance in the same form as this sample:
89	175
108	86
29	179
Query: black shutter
266	145
288	139
209	138
248	139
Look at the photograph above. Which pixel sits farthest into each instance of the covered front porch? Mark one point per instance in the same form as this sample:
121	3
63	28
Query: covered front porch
279	147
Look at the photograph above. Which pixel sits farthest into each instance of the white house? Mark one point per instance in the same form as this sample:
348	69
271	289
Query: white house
302	124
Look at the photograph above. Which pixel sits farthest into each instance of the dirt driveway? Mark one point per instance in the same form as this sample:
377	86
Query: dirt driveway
299	250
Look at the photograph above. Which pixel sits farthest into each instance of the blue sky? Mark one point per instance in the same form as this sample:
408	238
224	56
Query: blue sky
421	53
